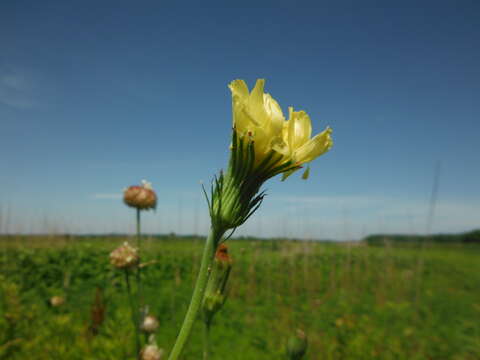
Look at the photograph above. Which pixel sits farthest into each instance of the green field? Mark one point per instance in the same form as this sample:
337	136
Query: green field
353	301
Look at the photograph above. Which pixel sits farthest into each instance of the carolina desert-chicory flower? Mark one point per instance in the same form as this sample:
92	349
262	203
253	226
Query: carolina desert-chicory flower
257	117
264	144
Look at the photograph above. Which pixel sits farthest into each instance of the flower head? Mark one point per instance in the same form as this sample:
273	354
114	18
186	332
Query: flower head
56	301
284	144
150	324
151	352
124	257
264	144
142	197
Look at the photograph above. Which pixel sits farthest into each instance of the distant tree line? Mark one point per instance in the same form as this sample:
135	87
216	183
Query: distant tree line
467	237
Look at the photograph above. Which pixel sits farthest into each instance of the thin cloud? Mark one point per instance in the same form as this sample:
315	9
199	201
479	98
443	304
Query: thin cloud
107	196
378	213
344	201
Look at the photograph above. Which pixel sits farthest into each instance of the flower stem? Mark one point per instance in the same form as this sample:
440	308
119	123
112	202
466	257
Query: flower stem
138	277
139	238
197	296
206	340
134	311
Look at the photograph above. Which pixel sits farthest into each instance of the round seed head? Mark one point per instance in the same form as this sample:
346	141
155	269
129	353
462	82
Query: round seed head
150	324
124	257
151	352
140	196
57	301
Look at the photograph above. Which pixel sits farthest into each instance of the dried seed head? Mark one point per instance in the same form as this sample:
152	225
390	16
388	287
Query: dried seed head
140	196
124	257
151	352
150	324
57	301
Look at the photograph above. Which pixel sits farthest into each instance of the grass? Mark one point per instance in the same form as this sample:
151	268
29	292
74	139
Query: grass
354	302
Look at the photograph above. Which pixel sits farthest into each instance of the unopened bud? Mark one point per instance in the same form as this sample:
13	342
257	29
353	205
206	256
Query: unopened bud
216	291
124	257
151	352
57	301
150	324
297	345
222	257
140	196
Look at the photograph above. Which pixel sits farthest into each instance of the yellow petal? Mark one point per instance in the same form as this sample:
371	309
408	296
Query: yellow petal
242	120
299	128
274	115
315	147
239	100
239	89
255	104
262	142
280	146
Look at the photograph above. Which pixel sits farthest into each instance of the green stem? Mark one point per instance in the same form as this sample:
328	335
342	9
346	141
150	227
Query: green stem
134	311
197	296
139	245
139	238
206	340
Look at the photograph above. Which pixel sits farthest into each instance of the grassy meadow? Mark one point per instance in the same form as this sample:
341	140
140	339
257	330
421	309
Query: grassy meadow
354	301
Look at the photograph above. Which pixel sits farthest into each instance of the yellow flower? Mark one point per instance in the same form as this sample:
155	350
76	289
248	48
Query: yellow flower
258	118
256	115
264	145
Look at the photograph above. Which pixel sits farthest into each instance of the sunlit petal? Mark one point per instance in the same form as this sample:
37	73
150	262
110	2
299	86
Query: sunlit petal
302	128
315	147
274	115
255	104
239	90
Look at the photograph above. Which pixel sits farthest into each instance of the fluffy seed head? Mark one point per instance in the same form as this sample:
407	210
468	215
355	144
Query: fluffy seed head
140	196
124	257
151	352
150	324
57	301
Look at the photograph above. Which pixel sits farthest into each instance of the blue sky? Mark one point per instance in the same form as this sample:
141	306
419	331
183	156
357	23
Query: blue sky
95	96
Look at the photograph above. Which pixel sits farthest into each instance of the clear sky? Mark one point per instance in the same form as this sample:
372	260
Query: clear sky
98	95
